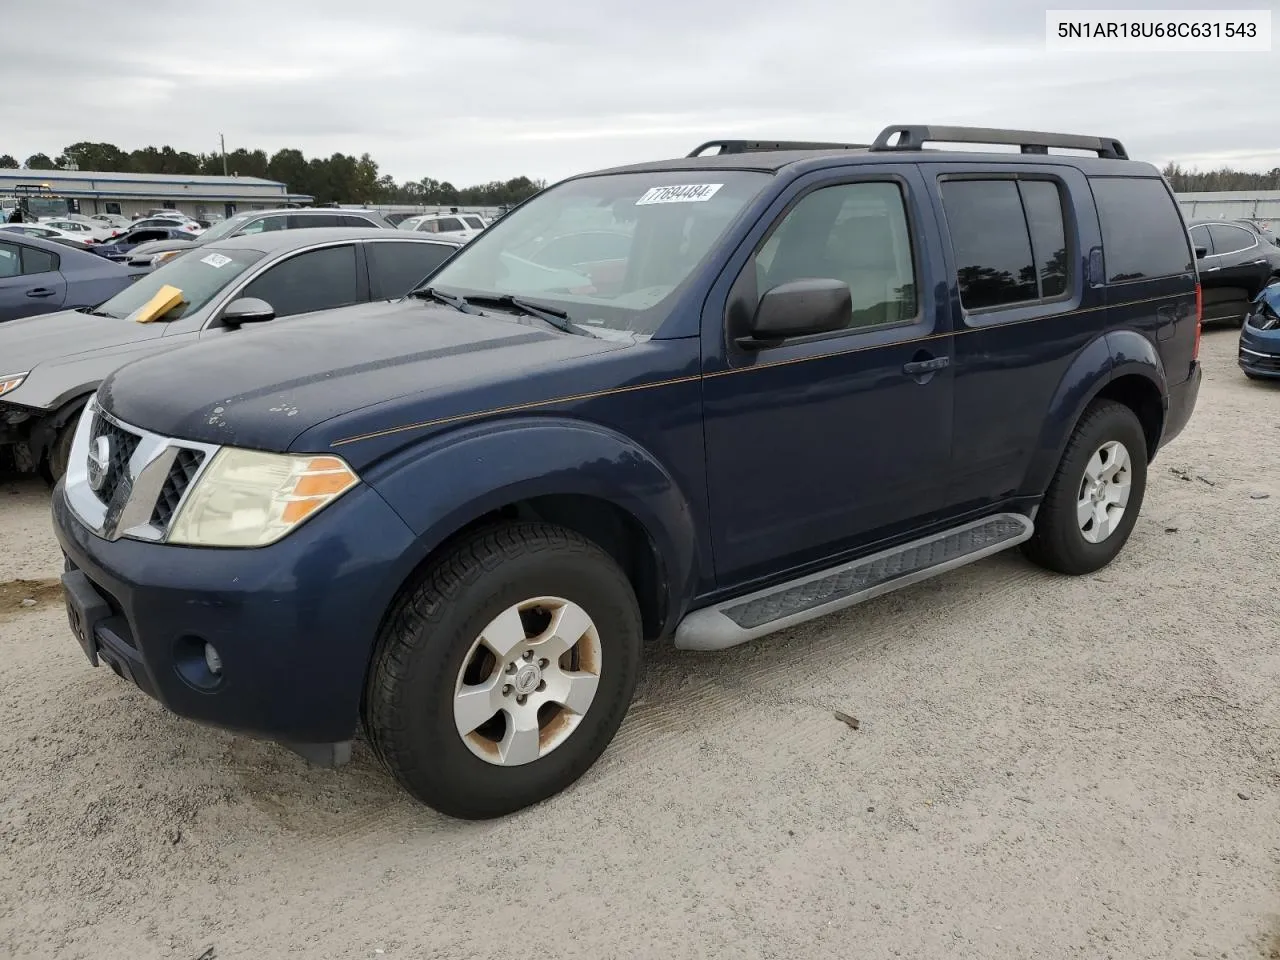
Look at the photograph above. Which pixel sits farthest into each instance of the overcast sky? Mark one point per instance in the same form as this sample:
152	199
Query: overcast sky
477	90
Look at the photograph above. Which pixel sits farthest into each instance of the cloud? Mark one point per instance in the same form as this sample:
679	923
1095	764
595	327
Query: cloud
470	92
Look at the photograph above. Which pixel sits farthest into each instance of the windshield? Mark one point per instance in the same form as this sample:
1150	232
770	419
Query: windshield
224	229
607	250
200	277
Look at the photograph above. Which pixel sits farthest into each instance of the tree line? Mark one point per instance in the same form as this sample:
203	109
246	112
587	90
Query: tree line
340	178
1224	178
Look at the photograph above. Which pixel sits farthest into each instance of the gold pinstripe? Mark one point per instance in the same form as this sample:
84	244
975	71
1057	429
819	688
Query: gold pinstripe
573	398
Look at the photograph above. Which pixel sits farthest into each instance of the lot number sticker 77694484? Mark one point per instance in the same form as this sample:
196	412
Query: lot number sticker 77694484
682	193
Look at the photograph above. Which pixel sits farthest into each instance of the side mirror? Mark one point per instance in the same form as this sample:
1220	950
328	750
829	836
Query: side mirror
1201	252
800	308
248	310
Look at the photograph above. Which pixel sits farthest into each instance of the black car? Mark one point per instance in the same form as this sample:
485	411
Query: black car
1235	264
1262	228
453	521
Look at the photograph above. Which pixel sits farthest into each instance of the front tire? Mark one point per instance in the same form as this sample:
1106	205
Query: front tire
504	672
55	462
1094	498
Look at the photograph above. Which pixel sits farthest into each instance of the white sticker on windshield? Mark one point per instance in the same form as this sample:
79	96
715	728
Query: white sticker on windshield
215	260
682	193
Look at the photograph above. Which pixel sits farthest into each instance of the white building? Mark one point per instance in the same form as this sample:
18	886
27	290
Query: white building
128	193
1231	205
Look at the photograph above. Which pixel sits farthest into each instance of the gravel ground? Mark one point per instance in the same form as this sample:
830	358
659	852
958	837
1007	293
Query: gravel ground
1045	767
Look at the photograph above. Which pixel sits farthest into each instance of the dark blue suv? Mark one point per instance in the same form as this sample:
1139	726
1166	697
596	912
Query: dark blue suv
785	378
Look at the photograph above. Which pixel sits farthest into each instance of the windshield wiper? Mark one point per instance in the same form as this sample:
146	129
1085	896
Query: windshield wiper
553	315
97	313
431	293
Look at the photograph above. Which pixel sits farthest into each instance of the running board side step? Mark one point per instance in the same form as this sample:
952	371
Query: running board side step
785	605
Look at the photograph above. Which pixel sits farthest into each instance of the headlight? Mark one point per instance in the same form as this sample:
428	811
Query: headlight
163	256
11	381
246	498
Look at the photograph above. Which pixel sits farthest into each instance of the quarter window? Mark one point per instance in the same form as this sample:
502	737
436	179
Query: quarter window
1009	241
1143	235
316	280
853	232
1229	239
38	261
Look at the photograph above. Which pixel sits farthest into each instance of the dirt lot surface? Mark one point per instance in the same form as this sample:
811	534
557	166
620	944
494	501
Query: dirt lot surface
1045	767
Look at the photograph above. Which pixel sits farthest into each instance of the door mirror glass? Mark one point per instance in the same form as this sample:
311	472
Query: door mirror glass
248	310
800	308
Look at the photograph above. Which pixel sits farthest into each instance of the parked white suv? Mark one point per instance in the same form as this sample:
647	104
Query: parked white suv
457	226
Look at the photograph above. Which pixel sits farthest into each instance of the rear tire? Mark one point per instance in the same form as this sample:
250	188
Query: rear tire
1082	525
486	619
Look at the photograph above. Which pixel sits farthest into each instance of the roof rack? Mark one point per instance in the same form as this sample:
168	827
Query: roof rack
914	136
759	146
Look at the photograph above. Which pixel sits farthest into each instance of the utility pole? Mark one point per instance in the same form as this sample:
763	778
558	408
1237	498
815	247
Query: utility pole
223	141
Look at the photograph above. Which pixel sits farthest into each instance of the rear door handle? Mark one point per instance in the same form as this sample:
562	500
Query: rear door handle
40	292
917	367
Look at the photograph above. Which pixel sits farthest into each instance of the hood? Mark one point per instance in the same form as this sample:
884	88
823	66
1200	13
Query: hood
262	388
66	350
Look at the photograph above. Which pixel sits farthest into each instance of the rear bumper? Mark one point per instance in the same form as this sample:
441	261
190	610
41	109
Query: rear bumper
293	623
1182	401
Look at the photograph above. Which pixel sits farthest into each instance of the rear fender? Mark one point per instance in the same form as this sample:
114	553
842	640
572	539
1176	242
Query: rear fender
1106	359
440	486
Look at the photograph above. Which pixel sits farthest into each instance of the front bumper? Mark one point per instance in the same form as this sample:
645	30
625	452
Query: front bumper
1260	352
294	623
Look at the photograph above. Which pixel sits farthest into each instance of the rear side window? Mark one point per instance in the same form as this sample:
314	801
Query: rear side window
316	280
1143	235
1200	238
447	224
349	220
1009	241
474	223
395	268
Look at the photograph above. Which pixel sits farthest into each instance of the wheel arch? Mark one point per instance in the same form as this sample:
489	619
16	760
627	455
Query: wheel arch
1123	366
573	474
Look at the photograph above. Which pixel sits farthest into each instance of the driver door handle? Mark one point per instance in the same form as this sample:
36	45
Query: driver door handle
917	367
39	292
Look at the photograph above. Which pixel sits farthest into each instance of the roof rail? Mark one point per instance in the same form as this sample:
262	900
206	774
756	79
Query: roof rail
758	146
914	136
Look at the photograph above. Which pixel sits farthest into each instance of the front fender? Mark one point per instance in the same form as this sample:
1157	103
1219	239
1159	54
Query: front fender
439	486
1107	358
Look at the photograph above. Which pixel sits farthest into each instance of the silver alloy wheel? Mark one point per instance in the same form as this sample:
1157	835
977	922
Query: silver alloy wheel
527	681
1104	491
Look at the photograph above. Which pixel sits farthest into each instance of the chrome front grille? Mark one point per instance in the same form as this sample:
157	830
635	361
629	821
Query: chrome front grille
185	467
122	445
123	481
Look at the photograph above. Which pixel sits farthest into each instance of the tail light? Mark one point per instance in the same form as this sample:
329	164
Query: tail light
1195	351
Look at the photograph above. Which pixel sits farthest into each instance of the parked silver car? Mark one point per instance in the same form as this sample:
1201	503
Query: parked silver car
51	364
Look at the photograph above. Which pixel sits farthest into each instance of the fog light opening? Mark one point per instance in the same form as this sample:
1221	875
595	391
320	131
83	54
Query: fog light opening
212	659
